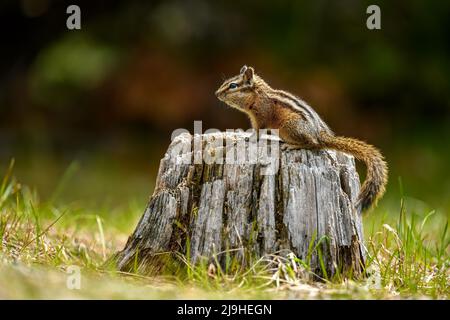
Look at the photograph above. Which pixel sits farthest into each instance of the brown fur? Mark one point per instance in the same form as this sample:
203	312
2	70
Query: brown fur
301	127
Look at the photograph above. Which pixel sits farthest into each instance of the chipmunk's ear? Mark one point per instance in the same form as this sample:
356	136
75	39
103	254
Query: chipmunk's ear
243	69
247	74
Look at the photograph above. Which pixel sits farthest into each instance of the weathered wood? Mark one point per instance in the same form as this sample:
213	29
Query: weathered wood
200	207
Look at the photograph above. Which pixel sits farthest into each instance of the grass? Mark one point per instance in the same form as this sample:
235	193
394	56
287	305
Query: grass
41	241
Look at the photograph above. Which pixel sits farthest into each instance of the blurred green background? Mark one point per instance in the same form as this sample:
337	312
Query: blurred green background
93	110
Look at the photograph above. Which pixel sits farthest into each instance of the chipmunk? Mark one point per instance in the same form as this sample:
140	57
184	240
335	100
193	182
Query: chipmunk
299	126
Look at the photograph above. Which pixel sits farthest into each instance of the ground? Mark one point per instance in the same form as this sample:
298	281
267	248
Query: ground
43	241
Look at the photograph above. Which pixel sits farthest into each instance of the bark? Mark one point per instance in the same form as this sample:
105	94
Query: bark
206	208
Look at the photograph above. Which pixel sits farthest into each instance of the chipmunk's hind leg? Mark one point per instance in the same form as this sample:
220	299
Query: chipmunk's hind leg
297	134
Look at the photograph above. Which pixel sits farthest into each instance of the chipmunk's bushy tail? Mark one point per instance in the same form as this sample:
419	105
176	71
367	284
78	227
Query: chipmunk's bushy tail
377	171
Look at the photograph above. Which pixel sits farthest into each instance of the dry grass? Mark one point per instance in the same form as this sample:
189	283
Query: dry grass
409	258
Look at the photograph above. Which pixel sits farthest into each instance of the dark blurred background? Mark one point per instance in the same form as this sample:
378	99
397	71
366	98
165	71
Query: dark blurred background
97	106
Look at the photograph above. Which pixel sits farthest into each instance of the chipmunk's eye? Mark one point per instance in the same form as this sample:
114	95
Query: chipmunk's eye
233	85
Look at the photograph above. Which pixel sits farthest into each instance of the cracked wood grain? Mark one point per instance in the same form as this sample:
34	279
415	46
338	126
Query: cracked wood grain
204	208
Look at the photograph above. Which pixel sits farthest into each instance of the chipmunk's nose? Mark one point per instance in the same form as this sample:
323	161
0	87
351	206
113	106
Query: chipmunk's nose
218	93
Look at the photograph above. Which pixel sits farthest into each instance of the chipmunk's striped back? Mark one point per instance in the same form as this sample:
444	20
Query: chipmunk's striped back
299	105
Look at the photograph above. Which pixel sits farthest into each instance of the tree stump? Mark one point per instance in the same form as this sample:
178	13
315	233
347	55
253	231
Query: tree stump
205	206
